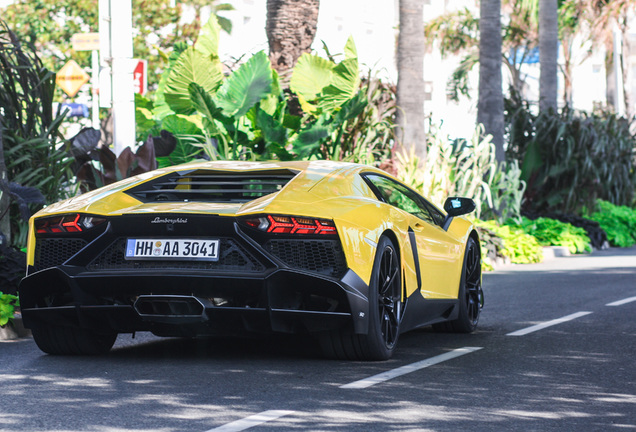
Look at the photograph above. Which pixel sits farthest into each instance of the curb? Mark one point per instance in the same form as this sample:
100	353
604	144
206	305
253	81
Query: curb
14	330
551	252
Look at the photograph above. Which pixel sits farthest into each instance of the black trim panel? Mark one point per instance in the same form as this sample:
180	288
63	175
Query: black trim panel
416	257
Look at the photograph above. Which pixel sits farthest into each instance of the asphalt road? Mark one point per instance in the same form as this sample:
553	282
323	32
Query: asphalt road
555	350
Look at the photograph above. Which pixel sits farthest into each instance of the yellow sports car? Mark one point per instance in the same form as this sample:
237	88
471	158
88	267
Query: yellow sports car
341	251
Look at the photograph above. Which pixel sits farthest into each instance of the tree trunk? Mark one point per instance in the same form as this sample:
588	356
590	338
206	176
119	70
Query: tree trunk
548	50
410	84
291	28
490	106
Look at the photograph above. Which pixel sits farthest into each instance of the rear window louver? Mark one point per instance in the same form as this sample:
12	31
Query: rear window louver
212	186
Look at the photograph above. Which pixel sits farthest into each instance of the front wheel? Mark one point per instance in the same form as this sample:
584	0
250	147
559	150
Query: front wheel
68	340
385	313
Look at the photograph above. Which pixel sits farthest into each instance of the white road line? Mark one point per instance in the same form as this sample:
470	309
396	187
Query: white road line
385	376
534	328
251	421
622	302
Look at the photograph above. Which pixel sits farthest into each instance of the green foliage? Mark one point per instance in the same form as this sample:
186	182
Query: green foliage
34	151
520	247
551	232
8	303
570	159
507	190
465	168
492	247
619	222
248	116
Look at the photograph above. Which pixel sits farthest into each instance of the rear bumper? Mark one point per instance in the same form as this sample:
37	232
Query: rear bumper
279	300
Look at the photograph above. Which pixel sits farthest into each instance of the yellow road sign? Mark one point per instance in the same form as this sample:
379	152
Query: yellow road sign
85	41
71	78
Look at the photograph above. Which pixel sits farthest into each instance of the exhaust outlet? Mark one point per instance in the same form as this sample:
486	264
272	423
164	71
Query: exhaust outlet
170	309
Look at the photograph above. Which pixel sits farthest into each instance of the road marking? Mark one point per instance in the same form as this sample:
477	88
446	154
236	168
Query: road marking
534	328
385	376
622	302
251	421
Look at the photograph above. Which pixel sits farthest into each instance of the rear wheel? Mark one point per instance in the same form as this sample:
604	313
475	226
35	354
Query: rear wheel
68	340
471	295
385	313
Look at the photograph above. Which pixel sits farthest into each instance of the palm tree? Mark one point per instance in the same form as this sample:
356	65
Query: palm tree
291	28
548	47
490	107
410	84
606	15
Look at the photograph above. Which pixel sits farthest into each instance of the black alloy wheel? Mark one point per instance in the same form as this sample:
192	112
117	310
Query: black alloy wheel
389	303
473	293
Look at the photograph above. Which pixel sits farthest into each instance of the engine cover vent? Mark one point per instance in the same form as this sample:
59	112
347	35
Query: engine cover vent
212	186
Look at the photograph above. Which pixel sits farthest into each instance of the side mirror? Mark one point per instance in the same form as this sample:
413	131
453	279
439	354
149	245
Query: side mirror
456	206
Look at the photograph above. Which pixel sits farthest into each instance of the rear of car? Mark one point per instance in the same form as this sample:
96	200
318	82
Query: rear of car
184	258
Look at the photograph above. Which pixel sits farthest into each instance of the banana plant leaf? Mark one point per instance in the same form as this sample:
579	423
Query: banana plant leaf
272	130
344	85
245	87
309	140
192	66
208	40
310	76
184	129
352	108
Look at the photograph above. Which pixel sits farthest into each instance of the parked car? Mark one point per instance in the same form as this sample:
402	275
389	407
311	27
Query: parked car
339	251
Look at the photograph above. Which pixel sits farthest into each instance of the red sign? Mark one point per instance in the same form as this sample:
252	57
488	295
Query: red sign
140	77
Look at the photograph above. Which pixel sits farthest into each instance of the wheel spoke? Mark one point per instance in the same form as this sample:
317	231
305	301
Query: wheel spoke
388	282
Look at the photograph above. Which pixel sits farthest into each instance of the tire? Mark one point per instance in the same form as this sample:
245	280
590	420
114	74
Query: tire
67	340
471	295
385	313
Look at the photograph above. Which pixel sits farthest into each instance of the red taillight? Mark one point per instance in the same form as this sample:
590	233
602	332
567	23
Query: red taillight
66	224
277	224
280	224
72	226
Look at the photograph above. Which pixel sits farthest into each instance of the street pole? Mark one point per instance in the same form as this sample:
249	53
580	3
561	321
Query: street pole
115	29
95	86
618	53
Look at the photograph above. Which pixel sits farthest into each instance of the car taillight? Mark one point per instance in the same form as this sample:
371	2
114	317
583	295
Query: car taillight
67	224
292	225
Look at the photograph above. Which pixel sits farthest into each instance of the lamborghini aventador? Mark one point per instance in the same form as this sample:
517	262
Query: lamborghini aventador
341	252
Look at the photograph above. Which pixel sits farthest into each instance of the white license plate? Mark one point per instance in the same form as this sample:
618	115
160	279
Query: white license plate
173	249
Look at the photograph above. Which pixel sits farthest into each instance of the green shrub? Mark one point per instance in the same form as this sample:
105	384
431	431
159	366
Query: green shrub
551	232
520	247
570	159
492	247
328	112
464	168
8	303
34	152
619	222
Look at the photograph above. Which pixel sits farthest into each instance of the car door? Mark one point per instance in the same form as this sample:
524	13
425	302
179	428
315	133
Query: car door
438	253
